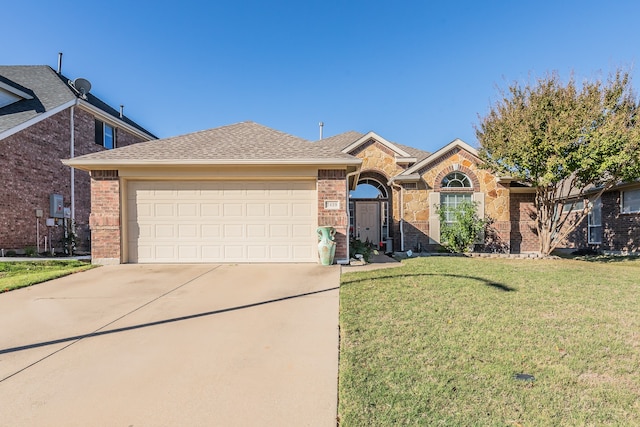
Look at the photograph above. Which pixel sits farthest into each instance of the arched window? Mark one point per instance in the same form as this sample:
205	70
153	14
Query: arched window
456	180
451	200
369	189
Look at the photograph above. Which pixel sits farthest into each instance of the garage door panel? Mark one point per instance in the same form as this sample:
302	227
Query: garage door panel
234	252
188	209
212	253
188	231
232	231
228	221
279	231
165	252
164	209
210	231
256	209
279	209
232	210
209	209
256	231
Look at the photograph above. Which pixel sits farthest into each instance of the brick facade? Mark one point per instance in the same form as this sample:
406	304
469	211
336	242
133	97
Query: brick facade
620	232
105	217
524	237
32	170
332	185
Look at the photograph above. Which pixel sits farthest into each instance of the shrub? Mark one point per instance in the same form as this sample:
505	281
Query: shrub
459	236
356	246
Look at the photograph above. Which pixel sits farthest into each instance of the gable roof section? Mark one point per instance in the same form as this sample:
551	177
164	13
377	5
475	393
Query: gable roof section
245	143
456	143
340	141
11	92
47	94
372	135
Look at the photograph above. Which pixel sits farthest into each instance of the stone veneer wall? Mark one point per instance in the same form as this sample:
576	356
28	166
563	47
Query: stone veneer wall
332	185
105	217
496	199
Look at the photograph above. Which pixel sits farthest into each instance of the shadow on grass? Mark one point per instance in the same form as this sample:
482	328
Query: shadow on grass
605	259
489	283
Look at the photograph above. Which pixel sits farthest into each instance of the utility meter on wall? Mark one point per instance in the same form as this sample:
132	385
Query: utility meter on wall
56	205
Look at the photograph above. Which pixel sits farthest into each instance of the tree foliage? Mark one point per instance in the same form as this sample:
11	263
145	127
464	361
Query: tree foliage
563	140
458	236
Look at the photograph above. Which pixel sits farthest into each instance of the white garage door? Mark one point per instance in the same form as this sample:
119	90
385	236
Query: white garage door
222	221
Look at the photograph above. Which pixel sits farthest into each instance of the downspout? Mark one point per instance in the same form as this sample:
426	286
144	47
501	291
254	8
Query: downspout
73	171
392	182
347	260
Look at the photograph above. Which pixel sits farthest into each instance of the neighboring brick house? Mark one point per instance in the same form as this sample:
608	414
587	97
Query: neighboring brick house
248	193
45	118
612	224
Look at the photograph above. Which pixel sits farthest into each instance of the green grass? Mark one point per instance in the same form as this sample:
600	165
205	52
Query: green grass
14	275
439	340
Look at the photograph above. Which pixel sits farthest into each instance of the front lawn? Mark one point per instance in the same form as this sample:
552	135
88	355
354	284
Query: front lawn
14	275
440	341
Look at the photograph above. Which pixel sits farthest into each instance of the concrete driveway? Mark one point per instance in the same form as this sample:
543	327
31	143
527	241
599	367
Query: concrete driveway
170	345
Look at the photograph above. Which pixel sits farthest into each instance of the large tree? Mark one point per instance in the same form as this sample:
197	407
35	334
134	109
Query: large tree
563	140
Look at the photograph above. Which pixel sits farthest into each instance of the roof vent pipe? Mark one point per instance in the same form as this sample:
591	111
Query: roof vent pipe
321	126
121	111
59	62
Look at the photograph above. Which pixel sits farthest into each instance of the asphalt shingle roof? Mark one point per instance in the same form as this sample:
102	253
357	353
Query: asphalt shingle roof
345	139
49	90
246	141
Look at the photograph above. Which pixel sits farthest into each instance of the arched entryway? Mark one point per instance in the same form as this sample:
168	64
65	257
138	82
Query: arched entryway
370	211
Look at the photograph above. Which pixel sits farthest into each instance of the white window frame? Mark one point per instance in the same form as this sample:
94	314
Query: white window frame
458	199
106	126
573	205
623	197
594	221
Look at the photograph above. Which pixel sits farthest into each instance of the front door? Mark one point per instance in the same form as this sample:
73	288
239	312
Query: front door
368	222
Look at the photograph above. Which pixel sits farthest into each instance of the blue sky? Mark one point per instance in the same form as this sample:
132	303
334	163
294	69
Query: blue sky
416	72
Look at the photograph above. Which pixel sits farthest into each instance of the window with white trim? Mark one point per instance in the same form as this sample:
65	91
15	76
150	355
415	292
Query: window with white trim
595	222
630	201
456	180
449	202
575	205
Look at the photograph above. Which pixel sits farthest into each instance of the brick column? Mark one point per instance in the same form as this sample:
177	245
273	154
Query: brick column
332	185
104	220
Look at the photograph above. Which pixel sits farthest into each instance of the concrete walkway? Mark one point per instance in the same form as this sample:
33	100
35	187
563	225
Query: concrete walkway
376	262
196	345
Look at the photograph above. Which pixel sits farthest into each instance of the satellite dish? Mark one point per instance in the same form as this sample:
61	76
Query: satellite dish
82	85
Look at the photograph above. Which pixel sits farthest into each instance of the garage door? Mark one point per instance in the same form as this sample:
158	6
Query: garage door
221	221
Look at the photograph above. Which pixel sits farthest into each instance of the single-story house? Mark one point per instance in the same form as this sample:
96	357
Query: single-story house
248	193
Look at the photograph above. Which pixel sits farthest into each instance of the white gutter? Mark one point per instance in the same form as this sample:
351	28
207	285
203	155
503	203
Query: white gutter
73	171
92	164
105	117
347	260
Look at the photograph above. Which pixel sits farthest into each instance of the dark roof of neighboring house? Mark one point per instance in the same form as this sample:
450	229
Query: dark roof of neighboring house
49	90
245	142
